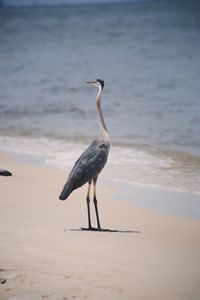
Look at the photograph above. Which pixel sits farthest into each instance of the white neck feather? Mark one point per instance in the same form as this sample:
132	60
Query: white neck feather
103	134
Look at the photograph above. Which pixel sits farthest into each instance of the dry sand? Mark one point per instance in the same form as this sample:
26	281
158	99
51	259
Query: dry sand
44	255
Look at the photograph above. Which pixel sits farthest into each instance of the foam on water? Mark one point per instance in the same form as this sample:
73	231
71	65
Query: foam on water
151	99
133	165
143	51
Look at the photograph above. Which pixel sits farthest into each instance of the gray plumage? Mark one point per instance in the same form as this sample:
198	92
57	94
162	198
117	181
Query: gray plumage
87	167
91	162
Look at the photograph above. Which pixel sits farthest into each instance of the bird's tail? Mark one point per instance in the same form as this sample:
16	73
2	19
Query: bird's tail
67	189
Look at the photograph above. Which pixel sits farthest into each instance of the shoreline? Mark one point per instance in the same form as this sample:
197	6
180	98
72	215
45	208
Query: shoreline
165	200
174	202
139	165
45	254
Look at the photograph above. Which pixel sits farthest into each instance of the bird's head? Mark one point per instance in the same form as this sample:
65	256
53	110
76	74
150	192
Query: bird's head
98	83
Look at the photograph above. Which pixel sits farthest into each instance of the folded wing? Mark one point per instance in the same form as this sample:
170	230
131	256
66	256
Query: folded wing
87	167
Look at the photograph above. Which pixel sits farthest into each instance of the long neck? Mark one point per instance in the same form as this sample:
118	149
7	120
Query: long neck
102	126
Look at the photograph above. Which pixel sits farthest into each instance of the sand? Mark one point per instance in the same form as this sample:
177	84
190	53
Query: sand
45	255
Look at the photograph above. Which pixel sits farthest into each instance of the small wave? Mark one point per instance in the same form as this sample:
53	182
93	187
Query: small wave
169	169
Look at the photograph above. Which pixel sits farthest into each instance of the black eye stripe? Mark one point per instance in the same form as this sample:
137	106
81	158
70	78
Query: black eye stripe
101	81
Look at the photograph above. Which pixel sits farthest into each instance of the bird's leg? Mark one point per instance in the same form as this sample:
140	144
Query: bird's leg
88	204
95	203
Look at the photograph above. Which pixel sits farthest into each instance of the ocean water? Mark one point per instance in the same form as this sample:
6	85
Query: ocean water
149	56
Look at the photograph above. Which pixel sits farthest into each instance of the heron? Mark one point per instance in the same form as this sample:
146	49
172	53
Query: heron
91	162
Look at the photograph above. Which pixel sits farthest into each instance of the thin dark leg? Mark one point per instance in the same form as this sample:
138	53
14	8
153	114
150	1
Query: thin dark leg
88	205
95	203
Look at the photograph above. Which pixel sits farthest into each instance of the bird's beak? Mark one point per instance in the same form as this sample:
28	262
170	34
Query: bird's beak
91	82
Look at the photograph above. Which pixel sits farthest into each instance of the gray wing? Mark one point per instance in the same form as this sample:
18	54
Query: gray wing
90	163
87	167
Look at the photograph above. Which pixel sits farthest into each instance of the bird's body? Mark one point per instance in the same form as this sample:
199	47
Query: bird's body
87	167
91	162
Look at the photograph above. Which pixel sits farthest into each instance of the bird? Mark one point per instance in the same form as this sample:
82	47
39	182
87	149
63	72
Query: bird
91	162
5	172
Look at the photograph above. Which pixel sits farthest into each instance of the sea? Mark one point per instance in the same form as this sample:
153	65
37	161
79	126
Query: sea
147	52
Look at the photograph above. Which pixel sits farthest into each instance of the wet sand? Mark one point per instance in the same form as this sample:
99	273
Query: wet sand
45	255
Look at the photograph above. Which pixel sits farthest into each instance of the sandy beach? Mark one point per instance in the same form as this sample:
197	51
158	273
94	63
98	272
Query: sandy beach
45	255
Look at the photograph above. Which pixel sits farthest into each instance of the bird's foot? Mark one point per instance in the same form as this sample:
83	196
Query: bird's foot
99	229
91	229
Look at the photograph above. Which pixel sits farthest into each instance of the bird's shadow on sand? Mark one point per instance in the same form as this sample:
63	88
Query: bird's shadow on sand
102	230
